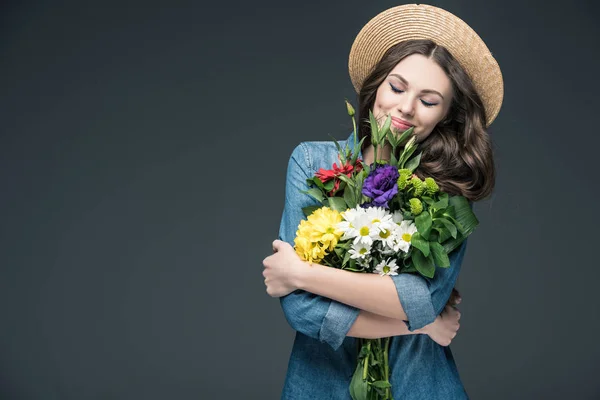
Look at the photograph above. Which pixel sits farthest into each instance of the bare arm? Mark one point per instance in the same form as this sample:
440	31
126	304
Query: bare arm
373	326
370	292
442	330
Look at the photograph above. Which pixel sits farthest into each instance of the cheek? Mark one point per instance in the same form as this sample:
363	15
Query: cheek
431	117
381	103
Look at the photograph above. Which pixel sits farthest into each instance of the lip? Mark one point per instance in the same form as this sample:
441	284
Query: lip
400	124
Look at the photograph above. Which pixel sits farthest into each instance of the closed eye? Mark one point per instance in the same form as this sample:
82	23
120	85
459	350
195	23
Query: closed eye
425	103
395	89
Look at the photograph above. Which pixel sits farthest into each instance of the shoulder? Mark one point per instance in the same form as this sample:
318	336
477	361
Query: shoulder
316	154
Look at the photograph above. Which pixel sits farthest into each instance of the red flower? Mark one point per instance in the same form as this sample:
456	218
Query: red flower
325	175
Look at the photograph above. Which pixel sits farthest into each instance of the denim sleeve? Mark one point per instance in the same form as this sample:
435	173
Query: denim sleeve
423	299
318	317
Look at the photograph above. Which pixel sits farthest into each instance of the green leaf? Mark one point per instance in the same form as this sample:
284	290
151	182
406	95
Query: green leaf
440	257
391	137
337	203
315	193
382	384
406	134
452	244
423	264
428	200
358	387
420	243
448	225
356	151
442	202
393	160
405	155
329	185
366	169
348	181
316	181
444	234
350	198
413	163
434	236
374	128
344	245
385	129
309	210
410	268
423	223
346	258
464	215
339	148
352	265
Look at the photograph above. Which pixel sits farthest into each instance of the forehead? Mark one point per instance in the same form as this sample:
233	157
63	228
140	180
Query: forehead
423	73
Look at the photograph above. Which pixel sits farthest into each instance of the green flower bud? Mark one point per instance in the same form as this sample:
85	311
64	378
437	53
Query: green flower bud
416	207
431	187
350	109
405	174
417	185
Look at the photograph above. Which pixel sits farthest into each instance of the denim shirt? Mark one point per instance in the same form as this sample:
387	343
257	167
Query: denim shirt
323	358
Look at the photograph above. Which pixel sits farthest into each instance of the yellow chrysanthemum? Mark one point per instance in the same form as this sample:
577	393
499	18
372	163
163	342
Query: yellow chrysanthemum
317	235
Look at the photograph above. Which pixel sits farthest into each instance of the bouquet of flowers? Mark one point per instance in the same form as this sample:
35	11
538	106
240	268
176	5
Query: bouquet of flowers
380	218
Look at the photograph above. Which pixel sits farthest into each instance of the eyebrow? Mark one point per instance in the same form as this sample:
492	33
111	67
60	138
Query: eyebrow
422	91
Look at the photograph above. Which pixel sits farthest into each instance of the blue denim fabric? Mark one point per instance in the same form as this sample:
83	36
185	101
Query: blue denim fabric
323	359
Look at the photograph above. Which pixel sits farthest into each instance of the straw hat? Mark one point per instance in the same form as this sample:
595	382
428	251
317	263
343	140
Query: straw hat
421	21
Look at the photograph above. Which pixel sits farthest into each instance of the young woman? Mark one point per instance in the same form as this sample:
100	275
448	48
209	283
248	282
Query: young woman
426	69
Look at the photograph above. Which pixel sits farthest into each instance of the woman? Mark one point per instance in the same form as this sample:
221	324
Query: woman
427	69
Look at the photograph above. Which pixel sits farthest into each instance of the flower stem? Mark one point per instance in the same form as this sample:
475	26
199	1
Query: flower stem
386	366
366	360
354	126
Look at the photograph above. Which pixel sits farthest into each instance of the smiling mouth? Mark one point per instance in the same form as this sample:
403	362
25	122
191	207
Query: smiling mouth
401	125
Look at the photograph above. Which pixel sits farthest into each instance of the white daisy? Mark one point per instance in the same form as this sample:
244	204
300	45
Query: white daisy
387	267
347	225
360	251
397	217
404	234
382	220
366	231
389	237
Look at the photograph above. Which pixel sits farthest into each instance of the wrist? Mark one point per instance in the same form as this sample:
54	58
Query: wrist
424	330
300	269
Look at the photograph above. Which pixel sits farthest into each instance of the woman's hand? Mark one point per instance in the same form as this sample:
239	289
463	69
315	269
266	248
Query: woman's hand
282	269
445	326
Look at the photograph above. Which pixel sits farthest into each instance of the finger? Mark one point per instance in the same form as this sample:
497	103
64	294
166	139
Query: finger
455	297
266	261
450	312
277	244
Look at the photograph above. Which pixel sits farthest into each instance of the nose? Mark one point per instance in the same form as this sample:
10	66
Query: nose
407	105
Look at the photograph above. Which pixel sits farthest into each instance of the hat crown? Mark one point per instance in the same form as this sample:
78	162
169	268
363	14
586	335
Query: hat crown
421	21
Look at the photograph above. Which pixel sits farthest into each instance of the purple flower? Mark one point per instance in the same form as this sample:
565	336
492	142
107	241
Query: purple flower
381	185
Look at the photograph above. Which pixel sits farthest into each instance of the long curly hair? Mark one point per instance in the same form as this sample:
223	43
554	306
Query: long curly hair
458	152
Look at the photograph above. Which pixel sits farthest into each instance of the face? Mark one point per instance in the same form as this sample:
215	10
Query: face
417	92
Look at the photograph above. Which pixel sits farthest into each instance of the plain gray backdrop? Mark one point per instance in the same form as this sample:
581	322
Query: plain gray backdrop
143	150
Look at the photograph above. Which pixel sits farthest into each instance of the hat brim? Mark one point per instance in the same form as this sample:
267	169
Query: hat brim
421	21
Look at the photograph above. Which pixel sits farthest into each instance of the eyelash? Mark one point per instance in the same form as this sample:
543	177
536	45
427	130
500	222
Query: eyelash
425	103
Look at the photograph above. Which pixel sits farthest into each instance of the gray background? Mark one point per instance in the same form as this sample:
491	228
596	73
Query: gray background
143	150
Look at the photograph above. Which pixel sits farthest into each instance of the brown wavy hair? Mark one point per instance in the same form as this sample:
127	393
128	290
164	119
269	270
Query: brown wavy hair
458	152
